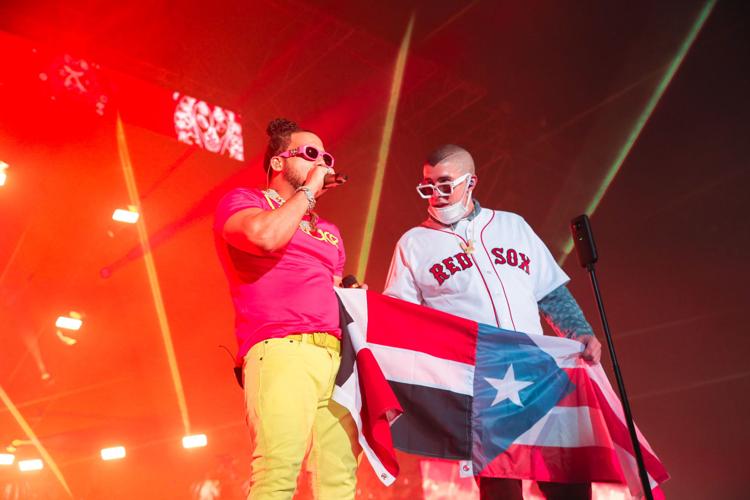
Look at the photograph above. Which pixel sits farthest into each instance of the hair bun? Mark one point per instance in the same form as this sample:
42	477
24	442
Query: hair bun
281	126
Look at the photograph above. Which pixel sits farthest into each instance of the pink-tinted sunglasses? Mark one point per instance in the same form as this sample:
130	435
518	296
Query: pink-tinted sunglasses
310	153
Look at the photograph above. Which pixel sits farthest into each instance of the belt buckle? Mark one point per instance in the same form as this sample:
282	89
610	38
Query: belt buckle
319	339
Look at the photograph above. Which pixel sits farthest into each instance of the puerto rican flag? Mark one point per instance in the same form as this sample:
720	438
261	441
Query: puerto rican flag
504	403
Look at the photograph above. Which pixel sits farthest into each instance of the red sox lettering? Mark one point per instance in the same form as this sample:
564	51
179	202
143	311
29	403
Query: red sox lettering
511	258
461	261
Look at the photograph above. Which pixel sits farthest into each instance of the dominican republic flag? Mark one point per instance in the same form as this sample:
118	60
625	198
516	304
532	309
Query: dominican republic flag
506	403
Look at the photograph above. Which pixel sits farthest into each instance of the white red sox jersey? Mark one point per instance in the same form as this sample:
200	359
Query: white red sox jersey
498	282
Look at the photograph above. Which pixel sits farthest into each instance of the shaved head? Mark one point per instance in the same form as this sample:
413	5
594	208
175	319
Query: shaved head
454	155
447	164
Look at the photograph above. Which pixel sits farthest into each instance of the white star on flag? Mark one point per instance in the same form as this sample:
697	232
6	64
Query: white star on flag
508	387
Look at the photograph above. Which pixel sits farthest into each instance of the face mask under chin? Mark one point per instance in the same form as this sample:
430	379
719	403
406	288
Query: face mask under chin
452	213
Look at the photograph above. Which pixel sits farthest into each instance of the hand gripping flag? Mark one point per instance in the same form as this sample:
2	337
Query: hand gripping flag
363	390
514	405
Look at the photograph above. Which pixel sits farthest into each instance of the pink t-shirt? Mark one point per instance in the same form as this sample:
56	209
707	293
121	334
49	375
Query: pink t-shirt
283	292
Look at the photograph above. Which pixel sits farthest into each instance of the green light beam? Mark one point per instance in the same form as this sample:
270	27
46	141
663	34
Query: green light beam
385	145
643	118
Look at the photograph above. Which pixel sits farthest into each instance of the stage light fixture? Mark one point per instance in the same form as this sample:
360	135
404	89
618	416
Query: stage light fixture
7	458
128	216
30	465
73	321
113	453
194	441
3	174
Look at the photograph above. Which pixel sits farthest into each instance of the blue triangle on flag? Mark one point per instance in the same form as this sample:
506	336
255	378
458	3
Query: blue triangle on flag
516	383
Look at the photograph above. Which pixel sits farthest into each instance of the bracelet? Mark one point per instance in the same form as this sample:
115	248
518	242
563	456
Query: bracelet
309	195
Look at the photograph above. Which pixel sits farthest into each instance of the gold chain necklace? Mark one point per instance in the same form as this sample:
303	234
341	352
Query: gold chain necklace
272	195
467	247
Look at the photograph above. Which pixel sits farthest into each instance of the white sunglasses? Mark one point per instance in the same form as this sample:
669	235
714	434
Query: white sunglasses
446	188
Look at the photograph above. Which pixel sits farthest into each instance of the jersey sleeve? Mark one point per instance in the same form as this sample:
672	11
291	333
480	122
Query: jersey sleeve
400	282
234	201
548	275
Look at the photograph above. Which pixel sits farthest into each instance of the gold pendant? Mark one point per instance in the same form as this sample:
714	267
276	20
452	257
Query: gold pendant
468	248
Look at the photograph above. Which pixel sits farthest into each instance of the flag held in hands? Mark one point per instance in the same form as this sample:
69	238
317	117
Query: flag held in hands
514	405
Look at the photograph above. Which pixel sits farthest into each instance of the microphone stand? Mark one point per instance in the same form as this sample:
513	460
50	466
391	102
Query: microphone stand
583	238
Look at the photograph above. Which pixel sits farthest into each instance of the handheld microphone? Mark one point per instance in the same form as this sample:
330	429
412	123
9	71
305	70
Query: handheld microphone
333	180
350	281
583	239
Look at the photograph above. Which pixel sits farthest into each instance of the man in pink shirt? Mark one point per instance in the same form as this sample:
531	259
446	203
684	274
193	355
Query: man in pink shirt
282	263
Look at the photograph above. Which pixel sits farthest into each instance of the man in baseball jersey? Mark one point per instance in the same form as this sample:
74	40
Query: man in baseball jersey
488	266
282	263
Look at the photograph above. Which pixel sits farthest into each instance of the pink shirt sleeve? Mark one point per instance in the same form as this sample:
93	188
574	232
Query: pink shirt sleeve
339	269
234	201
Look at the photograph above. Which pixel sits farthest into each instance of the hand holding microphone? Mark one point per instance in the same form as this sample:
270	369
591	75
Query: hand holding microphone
319	182
351	281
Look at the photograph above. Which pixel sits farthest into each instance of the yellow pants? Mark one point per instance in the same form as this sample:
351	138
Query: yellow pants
288	386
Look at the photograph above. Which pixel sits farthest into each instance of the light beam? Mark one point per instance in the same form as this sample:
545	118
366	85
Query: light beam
153	278
644	116
385	145
26	428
